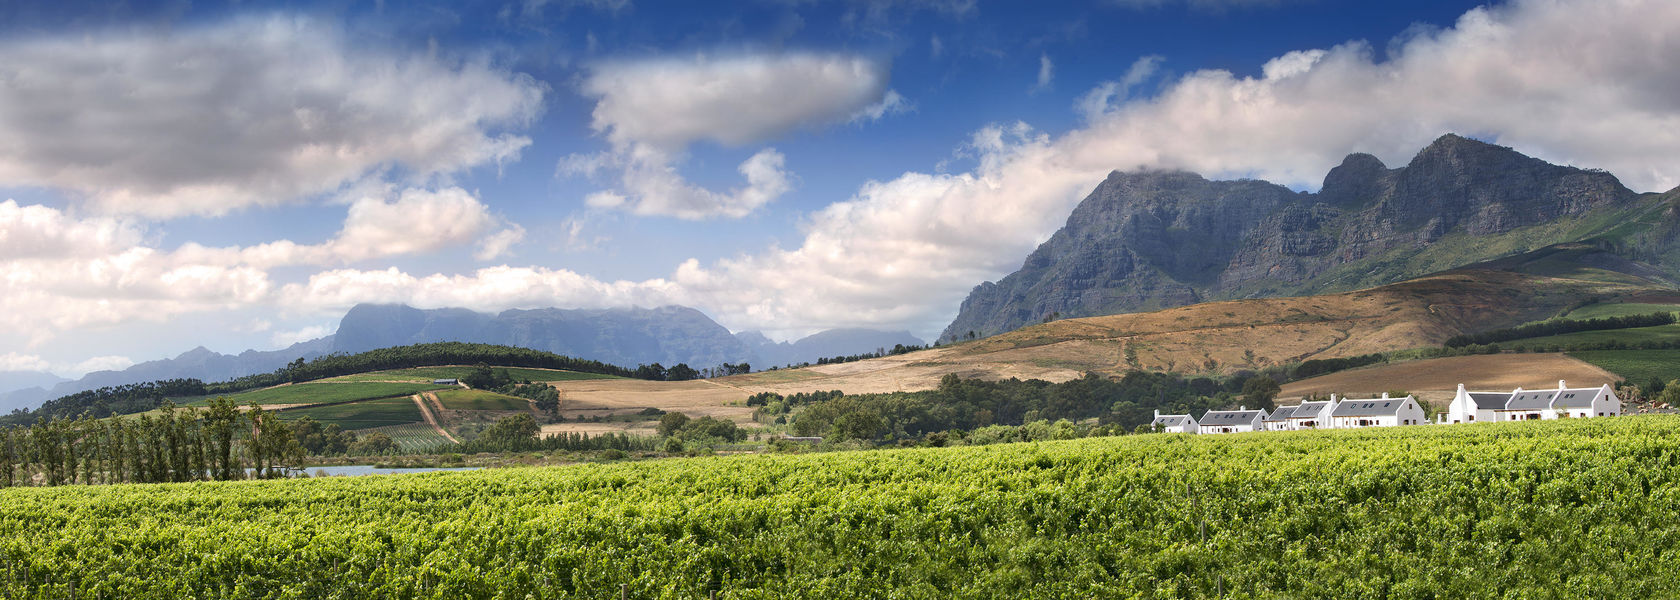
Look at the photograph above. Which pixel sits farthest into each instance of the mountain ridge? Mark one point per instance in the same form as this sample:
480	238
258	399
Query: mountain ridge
1147	240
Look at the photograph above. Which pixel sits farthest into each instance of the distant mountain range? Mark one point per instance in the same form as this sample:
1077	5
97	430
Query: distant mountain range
1156	239
627	337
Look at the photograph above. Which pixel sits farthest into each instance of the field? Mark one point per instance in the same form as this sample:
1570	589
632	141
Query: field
429	374
1637	335
1626	309
324	393
1637	366
365	414
1580	508
413	437
462	399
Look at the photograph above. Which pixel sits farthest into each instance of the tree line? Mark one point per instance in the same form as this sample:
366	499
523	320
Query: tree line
1559	327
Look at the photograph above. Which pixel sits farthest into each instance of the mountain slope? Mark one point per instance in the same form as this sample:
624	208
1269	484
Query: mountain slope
199	363
1150	240
826	344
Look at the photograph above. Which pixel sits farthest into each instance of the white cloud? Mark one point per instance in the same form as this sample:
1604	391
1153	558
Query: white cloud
891	104
12	361
249	112
500	243
97	363
490	289
1046	73
651	111
1093	104
282	339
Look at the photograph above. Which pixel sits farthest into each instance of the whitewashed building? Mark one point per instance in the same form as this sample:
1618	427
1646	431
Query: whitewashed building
1174	423
1476	407
1352	413
1232	421
1279	419
1312	414
1563	402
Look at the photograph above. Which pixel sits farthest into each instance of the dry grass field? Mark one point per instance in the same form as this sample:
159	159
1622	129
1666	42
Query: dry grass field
1436	380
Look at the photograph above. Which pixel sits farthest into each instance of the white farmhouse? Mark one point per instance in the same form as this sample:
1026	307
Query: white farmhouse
1476	407
1232	421
1279	419
1353	413
1563	402
1312	414
1174	423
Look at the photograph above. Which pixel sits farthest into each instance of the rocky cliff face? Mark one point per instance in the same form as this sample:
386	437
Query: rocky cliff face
1150	240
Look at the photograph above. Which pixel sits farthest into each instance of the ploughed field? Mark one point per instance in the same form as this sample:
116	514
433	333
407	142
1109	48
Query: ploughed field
1582	508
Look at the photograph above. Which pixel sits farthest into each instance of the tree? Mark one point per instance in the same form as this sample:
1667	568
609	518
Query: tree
512	432
481	378
672	423
1258	393
681	372
1671	393
373	443
1655	386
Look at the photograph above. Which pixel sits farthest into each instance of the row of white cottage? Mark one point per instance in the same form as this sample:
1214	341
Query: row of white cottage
1353	413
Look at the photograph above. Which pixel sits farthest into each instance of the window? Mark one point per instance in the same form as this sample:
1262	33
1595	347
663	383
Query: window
1600	414
1468	418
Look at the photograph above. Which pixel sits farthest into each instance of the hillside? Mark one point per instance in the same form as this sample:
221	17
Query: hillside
1149	240
1473	511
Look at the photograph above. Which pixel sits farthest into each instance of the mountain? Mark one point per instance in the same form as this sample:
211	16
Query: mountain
826	344
198	363
1156	239
622	336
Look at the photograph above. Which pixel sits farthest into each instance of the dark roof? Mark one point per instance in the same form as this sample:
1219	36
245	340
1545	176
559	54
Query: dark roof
1309	410
1577	397
1540	400
1371	407
1230	417
1173	420
1282	414
1489	400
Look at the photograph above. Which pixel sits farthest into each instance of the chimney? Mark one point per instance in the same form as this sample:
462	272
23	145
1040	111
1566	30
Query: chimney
1157	413
1561	385
1241	407
1385	395
1461	388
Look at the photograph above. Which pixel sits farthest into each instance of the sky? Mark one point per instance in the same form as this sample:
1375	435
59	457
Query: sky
236	175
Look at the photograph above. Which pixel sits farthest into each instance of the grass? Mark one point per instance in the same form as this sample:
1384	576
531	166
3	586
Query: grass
428	374
1637	335
365	414
412	437
326	393
1626	309
1637	366
462	399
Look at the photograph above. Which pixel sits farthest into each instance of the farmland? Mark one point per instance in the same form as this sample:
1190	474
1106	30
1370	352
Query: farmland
1633	337
1577	508
1625	309
1637	366
464	399
413	437
362	415
327	393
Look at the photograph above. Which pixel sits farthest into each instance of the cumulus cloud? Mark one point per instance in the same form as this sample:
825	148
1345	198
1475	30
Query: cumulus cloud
97	363
12	361
489	289
650	111
282	339
60	272
1099	100
249	112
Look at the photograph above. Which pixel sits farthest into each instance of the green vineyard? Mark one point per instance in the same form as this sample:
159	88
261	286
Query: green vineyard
1577	509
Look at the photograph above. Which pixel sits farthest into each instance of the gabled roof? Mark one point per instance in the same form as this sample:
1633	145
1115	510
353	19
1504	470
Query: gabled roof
1372	407
1309	410
1489	400
1576	397
1539	400
1173	420
1282	414
1230	417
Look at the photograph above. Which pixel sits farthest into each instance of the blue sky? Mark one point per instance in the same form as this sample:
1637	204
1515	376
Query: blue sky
238	174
